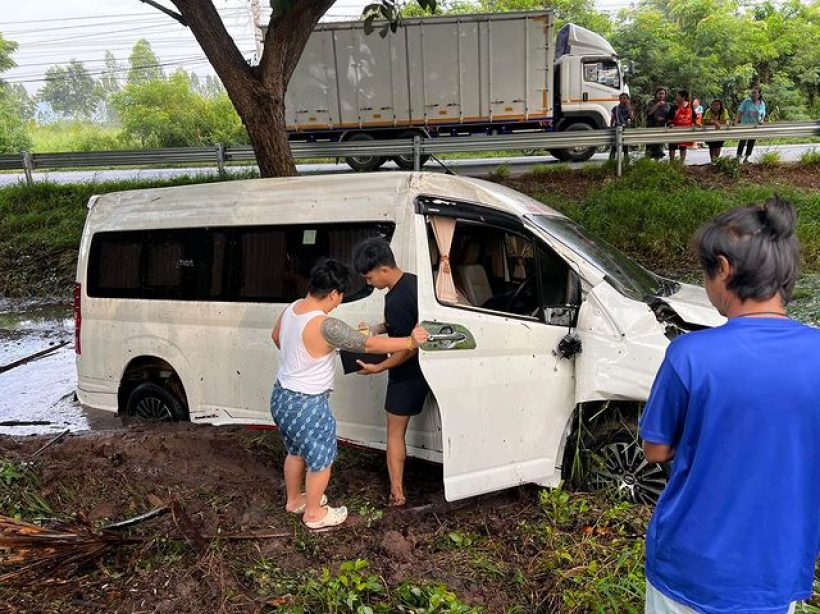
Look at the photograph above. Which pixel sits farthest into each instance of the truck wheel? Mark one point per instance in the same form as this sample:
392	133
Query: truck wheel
363	163
406	163
578	154
559	154
150	402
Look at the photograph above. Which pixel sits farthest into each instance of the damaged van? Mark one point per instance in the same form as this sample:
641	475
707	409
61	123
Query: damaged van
544	341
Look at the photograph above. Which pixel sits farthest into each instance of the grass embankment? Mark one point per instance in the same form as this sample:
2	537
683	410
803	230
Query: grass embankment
650	213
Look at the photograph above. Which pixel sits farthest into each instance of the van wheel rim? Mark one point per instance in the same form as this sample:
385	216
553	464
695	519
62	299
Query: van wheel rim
152	409
622	468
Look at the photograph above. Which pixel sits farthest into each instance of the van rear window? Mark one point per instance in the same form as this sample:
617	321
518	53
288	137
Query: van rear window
267	264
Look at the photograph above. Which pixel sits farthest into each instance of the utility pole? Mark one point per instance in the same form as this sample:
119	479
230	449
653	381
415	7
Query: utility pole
256	17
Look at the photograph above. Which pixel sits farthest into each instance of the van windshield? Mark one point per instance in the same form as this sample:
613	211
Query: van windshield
620	271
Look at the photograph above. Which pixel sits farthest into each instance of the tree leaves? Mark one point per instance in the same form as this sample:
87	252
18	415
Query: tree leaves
388	14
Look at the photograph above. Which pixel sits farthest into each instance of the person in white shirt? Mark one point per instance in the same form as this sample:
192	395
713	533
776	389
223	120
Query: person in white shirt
308	339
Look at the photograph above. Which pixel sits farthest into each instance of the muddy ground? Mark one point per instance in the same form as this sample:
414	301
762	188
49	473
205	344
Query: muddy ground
497	553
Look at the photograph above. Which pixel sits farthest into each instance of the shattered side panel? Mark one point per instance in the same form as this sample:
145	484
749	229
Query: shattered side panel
623	345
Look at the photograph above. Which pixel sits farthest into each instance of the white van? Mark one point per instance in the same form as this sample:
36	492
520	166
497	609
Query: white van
541	332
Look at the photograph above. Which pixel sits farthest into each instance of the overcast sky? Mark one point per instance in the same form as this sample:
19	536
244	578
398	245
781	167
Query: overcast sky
52	32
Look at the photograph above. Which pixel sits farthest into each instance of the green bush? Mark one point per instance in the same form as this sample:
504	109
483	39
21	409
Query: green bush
82	136
770	158
170	113
14	135
810	158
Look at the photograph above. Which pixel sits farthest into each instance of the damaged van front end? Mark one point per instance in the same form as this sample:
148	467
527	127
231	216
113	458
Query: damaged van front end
623	340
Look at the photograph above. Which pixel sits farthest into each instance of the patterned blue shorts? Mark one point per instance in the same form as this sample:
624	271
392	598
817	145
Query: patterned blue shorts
308	427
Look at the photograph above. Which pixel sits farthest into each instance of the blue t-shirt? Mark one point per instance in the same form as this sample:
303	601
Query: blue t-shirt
738	527
751	113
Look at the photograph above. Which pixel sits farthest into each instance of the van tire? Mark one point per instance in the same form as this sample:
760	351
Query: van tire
615	462
363	164
151	402
606	455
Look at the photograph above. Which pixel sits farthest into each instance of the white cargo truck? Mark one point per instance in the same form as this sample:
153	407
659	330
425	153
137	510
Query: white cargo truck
452	76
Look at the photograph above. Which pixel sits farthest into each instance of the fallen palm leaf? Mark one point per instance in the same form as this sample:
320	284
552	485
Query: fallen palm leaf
42	554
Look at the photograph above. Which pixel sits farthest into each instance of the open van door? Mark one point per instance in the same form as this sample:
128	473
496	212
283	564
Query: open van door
503	395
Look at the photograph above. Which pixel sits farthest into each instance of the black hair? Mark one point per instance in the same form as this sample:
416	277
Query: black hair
371	254
684	94
759	243
328	275
720	102
661	89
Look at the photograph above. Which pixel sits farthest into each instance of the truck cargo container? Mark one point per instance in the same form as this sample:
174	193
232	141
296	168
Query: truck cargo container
451	76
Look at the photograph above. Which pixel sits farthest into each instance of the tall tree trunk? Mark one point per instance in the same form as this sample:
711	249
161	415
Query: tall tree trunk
258	92
262	110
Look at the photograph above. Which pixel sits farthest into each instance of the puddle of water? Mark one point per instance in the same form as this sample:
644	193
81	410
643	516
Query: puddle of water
41	390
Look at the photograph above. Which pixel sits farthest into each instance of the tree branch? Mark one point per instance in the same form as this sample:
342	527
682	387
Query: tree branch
207	27
301	19
171	14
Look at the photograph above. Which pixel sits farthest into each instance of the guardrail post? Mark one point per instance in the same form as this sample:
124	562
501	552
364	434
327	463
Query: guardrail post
416	153
28	167
220	158
619	150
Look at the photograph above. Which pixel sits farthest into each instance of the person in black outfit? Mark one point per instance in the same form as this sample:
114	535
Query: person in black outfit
657	116
406	387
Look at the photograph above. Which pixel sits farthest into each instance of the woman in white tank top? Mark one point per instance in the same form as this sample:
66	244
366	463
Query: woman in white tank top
308	340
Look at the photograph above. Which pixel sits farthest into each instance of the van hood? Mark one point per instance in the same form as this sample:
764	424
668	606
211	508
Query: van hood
693	307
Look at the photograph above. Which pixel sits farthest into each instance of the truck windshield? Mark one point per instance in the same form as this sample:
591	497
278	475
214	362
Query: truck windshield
620	271
602	72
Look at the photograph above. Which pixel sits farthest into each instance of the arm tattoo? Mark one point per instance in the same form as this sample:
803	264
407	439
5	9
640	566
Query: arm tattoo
341	336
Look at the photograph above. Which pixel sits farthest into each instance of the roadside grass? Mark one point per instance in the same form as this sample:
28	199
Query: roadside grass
77	136
653	211
19	492
770	158
810	157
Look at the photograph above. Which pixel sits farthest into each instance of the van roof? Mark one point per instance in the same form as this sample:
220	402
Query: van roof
356	195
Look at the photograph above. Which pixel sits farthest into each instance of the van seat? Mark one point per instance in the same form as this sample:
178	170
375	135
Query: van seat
474	277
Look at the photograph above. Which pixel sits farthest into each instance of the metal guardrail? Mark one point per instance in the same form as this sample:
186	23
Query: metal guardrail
416	147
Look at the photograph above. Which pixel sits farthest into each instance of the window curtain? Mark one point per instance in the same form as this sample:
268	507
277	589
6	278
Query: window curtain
444	228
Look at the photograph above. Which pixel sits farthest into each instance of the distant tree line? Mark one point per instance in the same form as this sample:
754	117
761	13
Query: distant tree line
713	48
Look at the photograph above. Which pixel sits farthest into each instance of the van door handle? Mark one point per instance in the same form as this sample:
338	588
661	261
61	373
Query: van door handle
447	337
443	336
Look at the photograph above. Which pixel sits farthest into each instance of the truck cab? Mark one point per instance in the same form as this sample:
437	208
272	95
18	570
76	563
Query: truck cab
588	81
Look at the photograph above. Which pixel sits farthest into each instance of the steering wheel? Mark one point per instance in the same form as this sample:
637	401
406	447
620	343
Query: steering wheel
518	292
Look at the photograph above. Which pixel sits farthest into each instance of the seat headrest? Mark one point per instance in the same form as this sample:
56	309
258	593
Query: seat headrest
470	253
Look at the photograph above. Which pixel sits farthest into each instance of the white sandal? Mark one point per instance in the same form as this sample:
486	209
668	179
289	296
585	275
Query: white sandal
301	508
334	517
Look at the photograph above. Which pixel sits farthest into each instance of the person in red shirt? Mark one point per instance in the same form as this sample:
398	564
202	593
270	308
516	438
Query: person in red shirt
681	115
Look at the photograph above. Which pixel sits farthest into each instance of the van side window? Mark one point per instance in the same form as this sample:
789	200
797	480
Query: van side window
503	270
267	264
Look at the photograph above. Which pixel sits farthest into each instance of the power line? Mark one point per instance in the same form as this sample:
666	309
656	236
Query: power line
186	60
91	17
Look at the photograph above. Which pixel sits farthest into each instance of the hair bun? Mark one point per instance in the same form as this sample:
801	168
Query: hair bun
779	217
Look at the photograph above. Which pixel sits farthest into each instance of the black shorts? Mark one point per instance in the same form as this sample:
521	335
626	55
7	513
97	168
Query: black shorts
406	397
718	144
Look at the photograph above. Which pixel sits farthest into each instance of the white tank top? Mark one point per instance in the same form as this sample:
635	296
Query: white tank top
298	370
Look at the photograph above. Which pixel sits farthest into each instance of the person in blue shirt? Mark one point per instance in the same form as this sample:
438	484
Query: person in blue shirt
736	409
751	112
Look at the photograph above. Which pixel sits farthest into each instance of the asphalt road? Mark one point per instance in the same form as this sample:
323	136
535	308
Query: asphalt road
473	167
